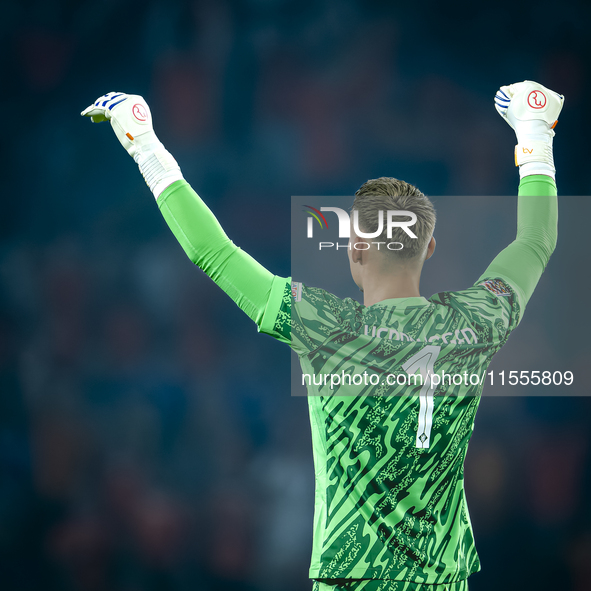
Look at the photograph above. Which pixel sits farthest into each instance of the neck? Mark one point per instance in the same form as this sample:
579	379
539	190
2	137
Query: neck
402	283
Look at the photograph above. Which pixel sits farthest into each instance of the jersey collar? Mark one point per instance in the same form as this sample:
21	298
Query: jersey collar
412	301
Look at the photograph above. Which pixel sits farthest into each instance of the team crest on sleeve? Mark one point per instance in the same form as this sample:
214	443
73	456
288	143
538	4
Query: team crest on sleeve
296	291
495	286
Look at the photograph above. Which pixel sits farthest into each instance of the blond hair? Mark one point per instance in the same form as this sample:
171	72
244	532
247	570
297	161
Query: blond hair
386	194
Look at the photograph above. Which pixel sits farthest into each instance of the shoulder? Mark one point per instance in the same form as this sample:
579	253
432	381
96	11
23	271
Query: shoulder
314	301
489	300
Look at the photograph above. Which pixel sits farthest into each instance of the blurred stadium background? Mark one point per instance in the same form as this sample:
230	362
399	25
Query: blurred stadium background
148	440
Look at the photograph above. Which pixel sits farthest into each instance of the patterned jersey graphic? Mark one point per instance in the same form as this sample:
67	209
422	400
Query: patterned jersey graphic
389	459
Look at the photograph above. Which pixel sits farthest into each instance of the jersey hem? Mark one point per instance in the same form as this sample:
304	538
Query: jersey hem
365	573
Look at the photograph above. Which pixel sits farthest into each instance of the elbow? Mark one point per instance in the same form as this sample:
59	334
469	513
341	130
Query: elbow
554	241
549	241
542	243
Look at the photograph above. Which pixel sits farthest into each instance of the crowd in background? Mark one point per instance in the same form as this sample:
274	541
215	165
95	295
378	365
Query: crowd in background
148	440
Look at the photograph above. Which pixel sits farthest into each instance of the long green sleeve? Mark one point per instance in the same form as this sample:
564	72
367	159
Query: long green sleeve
524	260
246	281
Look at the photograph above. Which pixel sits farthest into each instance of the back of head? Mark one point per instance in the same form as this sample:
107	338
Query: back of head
387	194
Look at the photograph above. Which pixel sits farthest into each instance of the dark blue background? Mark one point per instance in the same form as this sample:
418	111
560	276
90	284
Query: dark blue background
147	436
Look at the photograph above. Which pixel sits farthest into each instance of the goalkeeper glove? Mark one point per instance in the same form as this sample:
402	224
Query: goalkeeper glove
131	120
532	111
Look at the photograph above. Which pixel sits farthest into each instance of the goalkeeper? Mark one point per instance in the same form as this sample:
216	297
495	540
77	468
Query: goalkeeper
390	509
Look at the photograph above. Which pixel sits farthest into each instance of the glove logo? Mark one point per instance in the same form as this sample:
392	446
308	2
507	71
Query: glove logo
536	99
139	112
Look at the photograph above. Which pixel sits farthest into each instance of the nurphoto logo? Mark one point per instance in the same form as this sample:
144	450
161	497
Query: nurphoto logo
344	227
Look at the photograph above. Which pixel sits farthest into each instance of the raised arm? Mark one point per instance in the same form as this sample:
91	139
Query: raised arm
532	111
257	292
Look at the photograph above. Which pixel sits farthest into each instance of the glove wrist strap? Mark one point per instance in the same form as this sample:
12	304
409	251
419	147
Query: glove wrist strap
534	156
159	169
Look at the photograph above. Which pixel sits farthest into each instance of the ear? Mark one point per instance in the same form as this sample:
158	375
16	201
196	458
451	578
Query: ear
431	247
356	254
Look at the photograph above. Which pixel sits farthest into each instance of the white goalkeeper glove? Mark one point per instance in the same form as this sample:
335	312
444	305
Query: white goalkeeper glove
532	111
131	120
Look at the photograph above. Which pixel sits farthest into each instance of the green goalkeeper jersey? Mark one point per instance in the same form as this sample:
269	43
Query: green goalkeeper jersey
388	456
389	451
